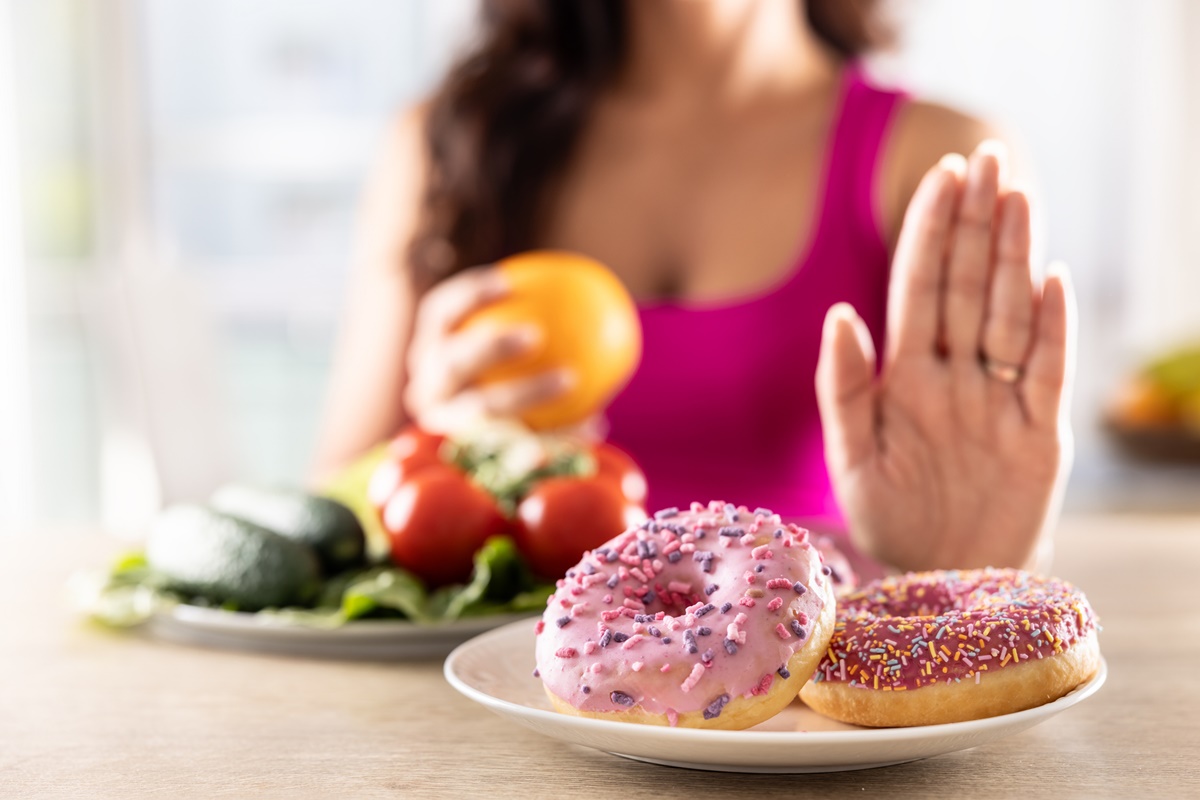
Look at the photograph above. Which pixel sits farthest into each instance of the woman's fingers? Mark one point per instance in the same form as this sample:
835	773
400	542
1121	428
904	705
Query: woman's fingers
968	269
442	367
1007	328
1048	373
453	300
497	400
466	355
914	299
514	397
845	388
441	362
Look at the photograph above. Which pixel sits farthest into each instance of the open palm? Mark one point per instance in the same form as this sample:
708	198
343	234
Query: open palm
952	454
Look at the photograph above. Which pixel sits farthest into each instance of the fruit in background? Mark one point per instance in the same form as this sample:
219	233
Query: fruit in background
203	553
1189	413
1177	372
328	527
1142	403
563	517
1155	413
437	519
588	323
1164	394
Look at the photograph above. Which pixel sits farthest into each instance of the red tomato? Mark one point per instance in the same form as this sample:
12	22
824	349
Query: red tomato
615	464
412	450
562	517
436	521
412	442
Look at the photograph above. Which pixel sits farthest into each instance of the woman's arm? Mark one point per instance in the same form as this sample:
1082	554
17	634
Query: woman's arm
363	405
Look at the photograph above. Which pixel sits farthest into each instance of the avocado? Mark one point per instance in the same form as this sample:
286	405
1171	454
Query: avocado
228	560
328	527
349	487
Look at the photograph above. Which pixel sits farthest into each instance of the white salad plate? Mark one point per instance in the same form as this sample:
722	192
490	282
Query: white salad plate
361	639
495	669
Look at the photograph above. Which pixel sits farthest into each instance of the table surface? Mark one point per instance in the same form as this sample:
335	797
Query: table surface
86	712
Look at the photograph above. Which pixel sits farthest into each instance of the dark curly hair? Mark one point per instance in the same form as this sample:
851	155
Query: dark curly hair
503	123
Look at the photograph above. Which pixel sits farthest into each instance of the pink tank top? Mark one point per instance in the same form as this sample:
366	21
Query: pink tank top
723	406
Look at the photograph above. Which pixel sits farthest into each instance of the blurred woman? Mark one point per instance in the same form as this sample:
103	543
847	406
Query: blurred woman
778	218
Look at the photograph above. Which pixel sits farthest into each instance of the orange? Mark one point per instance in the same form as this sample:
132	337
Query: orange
1144	403
588	324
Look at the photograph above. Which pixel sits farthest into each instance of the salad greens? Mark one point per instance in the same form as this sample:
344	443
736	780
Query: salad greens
131	591
509	462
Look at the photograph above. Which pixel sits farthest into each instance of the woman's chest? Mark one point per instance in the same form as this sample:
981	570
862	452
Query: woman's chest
693	215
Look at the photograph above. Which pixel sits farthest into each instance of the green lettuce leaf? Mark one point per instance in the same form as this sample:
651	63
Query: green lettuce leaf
126	595
500	583
385	588
130	592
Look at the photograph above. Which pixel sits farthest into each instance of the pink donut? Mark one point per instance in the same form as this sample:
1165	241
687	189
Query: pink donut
947	646
713	617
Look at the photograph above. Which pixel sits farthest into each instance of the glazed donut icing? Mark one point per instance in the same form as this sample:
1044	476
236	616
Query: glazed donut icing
920	629
682	613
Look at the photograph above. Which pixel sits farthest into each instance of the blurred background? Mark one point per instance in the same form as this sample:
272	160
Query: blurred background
178	183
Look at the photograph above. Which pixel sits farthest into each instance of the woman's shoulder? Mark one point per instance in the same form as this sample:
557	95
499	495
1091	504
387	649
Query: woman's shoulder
403	139
925	131
921	134
391	205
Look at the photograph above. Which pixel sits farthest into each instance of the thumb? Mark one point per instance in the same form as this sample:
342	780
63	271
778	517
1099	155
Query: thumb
845	388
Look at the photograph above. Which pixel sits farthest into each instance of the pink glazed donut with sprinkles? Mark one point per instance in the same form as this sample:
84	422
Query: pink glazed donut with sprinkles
708	618
949	646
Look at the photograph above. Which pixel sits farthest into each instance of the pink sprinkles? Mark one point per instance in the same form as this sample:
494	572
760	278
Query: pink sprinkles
693	678
656	603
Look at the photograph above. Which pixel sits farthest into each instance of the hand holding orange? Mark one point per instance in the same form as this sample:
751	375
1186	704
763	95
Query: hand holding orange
587	325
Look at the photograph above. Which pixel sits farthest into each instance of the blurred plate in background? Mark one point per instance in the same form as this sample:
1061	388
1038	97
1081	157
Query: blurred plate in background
362	639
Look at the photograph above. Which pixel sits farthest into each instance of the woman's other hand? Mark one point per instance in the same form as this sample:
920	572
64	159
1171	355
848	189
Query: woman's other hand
444	392
953	456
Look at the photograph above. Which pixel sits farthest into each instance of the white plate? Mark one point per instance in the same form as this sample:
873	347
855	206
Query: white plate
363	639
495	669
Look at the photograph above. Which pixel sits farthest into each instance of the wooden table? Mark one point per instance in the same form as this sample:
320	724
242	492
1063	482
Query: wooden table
93	714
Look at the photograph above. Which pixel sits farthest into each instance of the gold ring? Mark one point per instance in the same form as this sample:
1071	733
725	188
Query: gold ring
1001	370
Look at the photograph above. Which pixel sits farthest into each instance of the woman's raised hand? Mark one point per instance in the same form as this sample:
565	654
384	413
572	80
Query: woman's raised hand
952	456
444	365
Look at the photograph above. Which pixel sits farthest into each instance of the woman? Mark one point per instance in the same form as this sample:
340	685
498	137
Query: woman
730	164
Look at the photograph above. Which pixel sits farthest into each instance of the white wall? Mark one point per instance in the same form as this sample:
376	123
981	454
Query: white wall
15	448
1163	270
125	107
